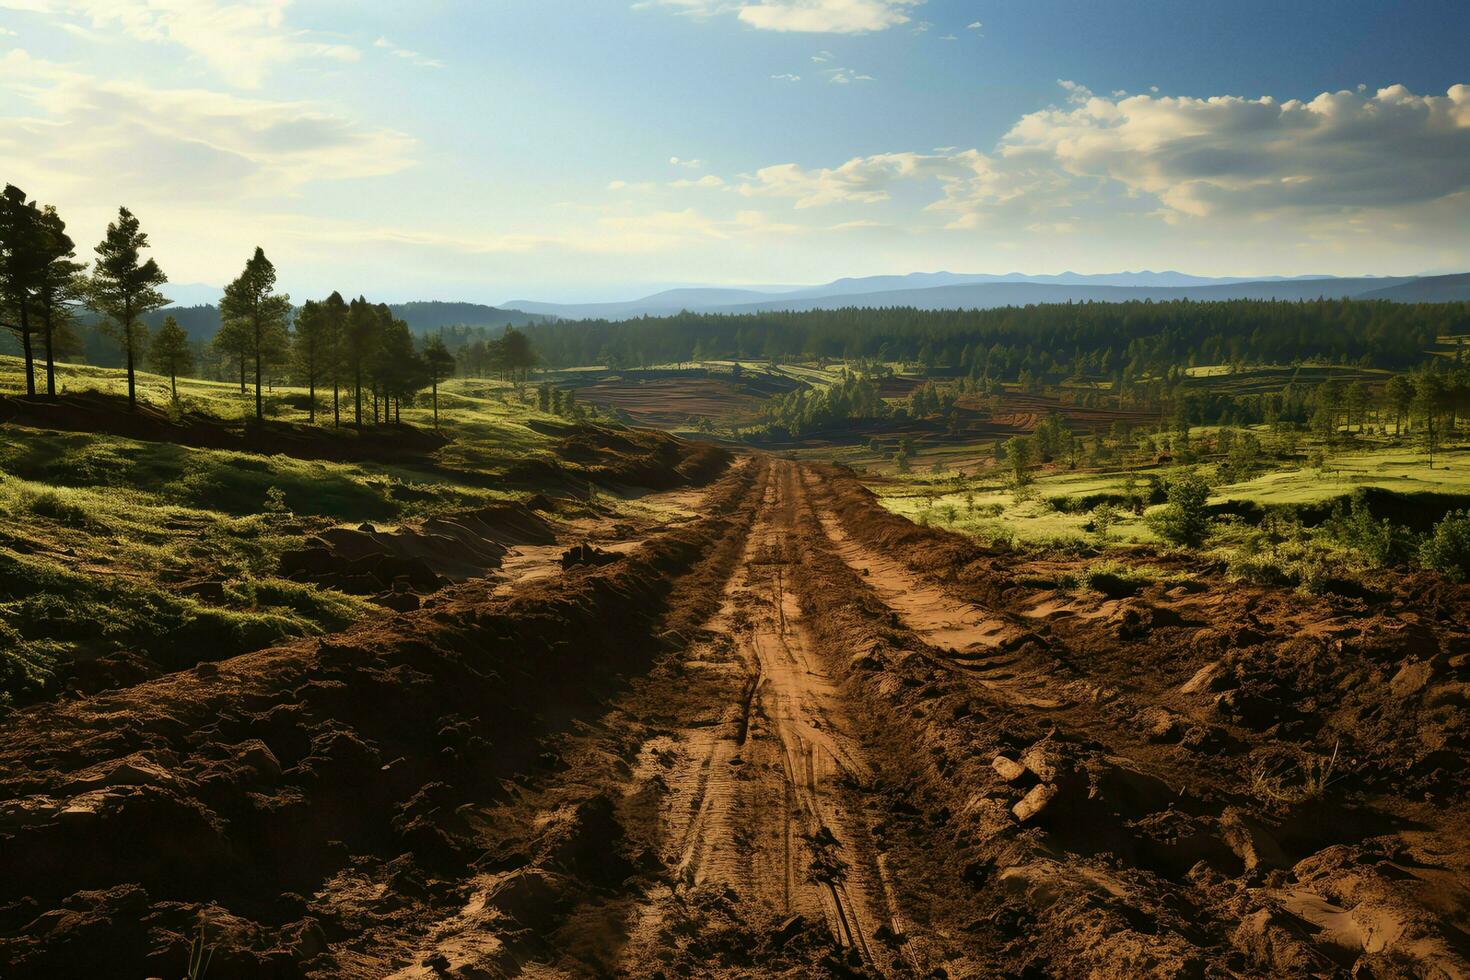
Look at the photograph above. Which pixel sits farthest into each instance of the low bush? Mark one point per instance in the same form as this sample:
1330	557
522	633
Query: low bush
1447	548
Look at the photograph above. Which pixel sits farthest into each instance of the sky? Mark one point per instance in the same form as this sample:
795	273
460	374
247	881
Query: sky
489	150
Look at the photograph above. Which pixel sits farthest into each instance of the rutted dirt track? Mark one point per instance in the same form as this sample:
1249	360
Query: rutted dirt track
797	736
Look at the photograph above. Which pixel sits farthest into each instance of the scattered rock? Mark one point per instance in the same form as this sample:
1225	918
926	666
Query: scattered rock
1035	802
1009	769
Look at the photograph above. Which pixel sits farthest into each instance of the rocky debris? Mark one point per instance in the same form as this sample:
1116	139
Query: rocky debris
1009	769
1035	802
587	555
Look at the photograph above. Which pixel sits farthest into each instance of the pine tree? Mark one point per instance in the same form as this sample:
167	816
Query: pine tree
20	270
60	284
440	364
334	313
252	300
171	353
123	287
359	343
313	349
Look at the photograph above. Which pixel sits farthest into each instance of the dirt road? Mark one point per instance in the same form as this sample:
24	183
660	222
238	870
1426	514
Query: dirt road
797	736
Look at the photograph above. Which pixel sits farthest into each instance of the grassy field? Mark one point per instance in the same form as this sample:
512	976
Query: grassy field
1055	510
112	545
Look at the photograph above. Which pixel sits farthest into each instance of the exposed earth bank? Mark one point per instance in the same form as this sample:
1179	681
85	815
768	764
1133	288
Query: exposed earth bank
798	735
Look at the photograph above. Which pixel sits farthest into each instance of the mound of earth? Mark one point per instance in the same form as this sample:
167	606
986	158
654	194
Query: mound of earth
417	559
619	457
97	412
288	800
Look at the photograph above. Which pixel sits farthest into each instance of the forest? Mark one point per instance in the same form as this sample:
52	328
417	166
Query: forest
1124	341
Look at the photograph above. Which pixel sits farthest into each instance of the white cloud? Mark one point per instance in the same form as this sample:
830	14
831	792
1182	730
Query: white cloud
861	180
800	16
109	139
822	57
708	182
786	77
686	164
845	76
1342	150
1380	163
240	39
948	37
974	26
407	54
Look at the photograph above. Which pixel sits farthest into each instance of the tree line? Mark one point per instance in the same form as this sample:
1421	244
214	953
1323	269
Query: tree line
1049	343
354	346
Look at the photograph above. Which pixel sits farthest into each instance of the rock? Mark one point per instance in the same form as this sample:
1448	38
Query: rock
1045	761
1250	840
1035	802
1267	939
1160	725
531	896
135	770
28	811
1202	679
1412	678
256	756
1010	770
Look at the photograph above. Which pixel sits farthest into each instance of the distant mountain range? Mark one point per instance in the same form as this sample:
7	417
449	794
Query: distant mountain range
947	290
196	310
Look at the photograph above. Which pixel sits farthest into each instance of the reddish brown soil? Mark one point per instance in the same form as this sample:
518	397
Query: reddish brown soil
671	402
798	736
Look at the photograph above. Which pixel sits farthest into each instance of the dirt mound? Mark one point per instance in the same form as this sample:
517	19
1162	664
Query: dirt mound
415	559
96	412
317	793
629	457
1291	770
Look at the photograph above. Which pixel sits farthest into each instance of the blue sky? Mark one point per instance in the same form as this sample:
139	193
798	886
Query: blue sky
576	149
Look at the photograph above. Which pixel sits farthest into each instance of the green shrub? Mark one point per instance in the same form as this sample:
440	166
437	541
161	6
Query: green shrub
1381	542
1447	549
1184	519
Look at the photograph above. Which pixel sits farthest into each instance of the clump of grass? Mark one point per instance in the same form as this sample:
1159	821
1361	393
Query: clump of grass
1117	579
57	506
1304	780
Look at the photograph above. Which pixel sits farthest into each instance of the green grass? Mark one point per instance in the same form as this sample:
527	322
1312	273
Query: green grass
101	535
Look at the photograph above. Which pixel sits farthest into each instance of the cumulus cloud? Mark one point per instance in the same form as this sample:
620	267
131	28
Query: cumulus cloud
685	163
1344	155
1198	157
240	39
126	140
800	16
861	180
786	77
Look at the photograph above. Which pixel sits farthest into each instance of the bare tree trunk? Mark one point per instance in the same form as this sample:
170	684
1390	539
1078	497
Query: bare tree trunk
128	343
259	410
25	343
311	394
50	359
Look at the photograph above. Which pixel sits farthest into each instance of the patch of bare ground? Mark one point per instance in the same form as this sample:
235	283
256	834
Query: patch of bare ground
313	803
1231	779
795	736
